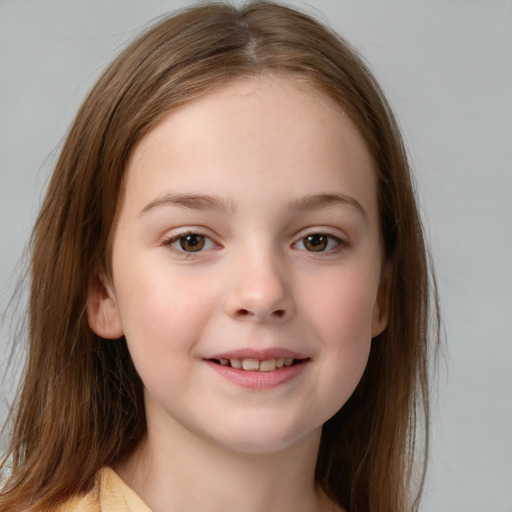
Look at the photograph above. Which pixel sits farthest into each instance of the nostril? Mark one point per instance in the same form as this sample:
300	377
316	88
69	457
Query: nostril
246	313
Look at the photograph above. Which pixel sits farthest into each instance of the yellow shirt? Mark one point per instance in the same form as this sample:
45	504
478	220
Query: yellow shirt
110	494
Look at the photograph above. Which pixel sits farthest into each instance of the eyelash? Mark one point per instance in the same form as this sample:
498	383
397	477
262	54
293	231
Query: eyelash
205	242
332	243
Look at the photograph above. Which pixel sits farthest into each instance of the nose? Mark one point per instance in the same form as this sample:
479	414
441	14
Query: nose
260	291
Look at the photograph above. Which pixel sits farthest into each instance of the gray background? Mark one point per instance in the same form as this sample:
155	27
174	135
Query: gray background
447	69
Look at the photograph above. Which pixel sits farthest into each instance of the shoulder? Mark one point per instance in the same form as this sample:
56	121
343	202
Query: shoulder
86	503
115	494
109	494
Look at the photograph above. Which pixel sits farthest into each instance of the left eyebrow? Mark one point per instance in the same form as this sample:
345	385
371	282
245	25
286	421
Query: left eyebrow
191	201
317	201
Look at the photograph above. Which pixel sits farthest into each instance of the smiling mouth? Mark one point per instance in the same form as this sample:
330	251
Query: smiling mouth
256	365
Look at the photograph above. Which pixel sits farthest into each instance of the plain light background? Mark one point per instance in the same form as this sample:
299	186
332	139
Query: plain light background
446	67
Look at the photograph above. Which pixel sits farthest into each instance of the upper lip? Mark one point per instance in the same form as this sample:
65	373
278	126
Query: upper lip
258	354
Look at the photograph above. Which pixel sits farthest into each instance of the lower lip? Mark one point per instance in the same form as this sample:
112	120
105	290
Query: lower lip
258	380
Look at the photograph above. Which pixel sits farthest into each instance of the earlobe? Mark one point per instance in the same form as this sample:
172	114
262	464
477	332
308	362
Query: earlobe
102	311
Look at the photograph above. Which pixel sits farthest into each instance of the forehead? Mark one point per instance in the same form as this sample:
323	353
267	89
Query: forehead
272	133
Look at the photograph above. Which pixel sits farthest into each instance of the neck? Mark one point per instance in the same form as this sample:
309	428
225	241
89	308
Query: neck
183	472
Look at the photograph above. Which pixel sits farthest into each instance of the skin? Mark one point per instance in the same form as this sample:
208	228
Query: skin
259	147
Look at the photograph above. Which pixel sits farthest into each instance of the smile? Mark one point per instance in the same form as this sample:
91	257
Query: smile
258	374
255	365
259	369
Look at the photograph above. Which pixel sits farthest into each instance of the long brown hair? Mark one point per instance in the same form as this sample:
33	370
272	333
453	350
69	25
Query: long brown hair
80	406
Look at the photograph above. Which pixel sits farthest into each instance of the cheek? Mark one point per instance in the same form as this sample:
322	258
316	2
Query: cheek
347	366
342	309
345	330
342	318
162	314
156	296
346	342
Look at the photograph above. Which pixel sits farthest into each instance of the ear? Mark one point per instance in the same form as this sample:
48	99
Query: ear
102	310
381	308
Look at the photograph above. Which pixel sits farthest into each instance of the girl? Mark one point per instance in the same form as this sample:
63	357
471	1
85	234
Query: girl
230	298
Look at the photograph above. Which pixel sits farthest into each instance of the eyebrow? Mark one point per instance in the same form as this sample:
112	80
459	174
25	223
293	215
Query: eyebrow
318	201
191	201
214	203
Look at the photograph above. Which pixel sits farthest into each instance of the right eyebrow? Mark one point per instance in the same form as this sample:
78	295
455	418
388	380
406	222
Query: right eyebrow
191	201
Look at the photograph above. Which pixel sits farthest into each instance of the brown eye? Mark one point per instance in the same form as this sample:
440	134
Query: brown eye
187	243
316	242
192	242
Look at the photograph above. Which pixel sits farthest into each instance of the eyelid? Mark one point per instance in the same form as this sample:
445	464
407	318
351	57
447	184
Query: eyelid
171	239
339	238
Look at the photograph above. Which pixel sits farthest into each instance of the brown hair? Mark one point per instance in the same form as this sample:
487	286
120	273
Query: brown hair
80	406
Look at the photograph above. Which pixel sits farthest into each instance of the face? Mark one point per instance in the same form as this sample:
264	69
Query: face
247	265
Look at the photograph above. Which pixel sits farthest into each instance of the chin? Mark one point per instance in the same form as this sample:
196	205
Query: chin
265	439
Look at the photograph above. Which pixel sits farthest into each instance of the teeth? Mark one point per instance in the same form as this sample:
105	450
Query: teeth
268	365
253	365
250	364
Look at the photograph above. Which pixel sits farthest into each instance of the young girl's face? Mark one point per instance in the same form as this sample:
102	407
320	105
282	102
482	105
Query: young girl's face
248	236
